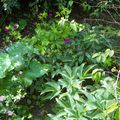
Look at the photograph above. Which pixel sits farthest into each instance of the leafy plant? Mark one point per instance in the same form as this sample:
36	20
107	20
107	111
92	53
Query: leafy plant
104	58
50	38
18	69
10	4
76	101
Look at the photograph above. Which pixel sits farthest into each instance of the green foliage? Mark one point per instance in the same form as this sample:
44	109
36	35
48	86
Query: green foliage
64	7
14	31
77	80
18	69
104	58
63	62
78	101
96	8
10	4
50	37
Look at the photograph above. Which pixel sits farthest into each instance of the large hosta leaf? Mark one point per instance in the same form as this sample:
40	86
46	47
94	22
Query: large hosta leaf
26	81
36	69
5	63
19	53
20	49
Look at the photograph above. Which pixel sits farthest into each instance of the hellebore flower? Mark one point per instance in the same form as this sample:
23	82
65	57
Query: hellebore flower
36	13
27	32
2	98
10	113
50	14
67	40
6	29
15	26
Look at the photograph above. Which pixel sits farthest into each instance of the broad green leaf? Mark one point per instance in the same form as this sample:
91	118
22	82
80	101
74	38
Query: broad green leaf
52	88
36	70
80	108
21	49
69	111
117	114
74	25
72	102
109	52
89	96
90	105
96	114
103	57
5	63
88	69
111	108
96	70
60	103
80	71
26	81
63	95
54	85
95	55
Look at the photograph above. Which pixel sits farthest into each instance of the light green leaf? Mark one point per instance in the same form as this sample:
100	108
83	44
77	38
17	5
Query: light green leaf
5	63
117	114
36	70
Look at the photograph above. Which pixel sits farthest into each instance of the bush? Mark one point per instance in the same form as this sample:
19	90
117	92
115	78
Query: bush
10	5
17	72
80	101
65	62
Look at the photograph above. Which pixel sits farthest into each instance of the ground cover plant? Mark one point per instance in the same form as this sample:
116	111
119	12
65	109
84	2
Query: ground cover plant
54	68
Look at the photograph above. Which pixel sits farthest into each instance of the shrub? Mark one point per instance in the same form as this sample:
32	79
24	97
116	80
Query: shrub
18	69
61	5
77	100
76	56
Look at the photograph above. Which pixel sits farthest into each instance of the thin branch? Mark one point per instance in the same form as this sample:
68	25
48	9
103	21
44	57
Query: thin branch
112	17
102	20
111	73
97	6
